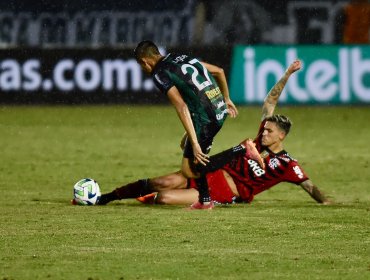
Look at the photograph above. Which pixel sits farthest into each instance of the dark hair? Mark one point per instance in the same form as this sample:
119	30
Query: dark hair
146	49
282	122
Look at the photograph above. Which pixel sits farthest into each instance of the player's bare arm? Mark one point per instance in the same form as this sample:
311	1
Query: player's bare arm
219	74
184	115
274	94
314	192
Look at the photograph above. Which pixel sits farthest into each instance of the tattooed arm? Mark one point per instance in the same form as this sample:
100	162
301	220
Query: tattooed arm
274	94
314	192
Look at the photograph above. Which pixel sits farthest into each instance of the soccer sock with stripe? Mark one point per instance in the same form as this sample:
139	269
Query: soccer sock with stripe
133	190
203	190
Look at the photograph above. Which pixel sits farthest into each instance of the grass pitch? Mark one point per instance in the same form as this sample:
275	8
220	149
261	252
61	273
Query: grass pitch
283	234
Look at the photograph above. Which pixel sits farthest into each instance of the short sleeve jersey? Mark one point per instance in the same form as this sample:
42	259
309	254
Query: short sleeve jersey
251	179
196	85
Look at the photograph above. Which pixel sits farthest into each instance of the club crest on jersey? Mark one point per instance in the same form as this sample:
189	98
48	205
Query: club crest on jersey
254	166
273	163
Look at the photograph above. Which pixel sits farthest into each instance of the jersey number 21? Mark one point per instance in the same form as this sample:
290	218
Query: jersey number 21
194	76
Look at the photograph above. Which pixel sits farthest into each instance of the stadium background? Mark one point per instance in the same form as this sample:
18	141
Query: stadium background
63	52
67	52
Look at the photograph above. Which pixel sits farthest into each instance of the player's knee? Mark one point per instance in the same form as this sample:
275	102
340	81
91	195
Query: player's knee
163	198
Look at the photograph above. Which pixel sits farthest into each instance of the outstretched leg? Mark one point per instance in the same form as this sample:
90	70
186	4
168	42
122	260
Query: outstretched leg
145	186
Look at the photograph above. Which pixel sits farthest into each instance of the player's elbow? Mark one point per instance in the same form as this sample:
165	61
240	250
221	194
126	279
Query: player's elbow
218	72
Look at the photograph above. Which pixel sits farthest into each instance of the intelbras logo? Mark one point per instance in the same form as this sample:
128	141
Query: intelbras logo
330	74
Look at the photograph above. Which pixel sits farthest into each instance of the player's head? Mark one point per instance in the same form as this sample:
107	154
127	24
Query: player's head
146	49
283	122
147	55
276	129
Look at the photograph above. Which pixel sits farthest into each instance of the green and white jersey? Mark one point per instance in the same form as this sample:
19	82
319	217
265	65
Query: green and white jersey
196	85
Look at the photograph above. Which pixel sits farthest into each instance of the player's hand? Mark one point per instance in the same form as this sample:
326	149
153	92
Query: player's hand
295	66
199	156
231	108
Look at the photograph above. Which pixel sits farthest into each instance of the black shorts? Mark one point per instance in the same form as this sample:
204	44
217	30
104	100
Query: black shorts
205	140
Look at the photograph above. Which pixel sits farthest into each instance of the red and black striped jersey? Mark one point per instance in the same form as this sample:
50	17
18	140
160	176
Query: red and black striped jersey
251	179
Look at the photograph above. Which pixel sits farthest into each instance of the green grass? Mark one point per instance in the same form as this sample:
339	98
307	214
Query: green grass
283	234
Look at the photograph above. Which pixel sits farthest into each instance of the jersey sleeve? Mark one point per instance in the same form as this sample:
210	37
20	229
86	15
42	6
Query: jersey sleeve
163	81
295	174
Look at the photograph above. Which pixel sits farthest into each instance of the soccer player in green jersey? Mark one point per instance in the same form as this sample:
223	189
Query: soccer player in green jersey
200	95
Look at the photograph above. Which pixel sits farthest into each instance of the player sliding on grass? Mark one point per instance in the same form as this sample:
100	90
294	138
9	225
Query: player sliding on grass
240	179
200	95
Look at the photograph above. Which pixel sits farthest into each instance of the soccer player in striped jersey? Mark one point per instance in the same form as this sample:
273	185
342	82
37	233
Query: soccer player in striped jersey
240	179
243	178
200	95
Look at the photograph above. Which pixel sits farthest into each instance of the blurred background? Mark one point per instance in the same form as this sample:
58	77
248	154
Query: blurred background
73	52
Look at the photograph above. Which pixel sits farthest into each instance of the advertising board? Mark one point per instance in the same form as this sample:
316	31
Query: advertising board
330	74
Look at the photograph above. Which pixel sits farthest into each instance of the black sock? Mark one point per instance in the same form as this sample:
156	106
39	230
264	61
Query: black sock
107	197
219	160
131	190
203	189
